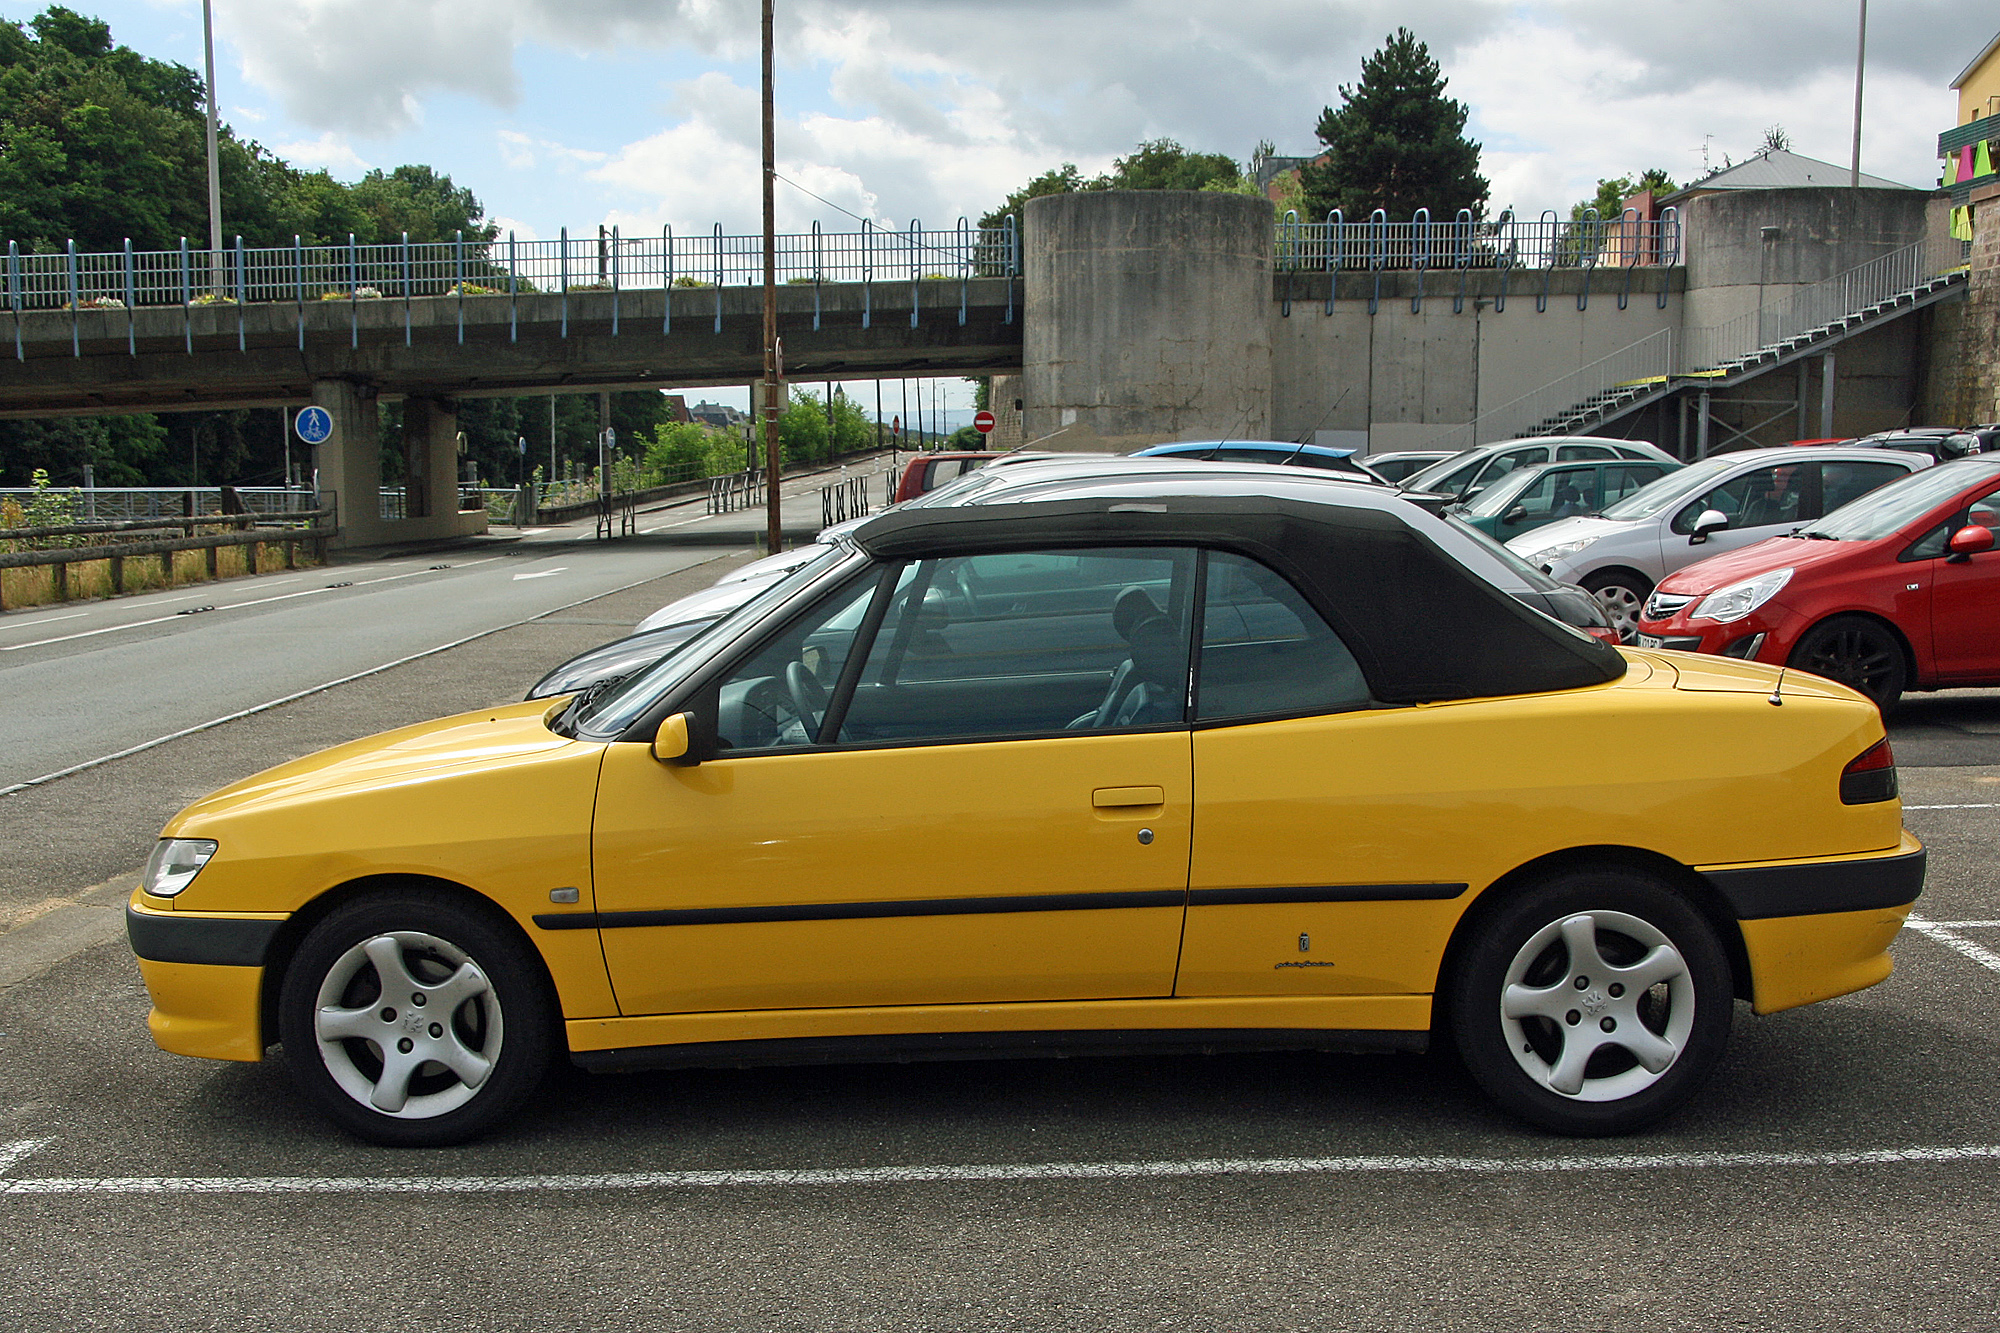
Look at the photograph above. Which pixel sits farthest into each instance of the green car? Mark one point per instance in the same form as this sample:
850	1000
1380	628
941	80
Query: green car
1528	497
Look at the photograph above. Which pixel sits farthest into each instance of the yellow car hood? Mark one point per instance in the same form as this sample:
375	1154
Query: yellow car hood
514	731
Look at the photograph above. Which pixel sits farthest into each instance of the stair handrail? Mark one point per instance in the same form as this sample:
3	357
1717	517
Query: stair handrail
1651	357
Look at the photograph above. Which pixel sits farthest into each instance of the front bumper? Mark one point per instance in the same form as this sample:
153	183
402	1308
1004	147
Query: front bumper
205	974
1816	929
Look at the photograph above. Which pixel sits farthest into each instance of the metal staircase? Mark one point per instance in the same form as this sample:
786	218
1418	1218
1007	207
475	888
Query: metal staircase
1810	322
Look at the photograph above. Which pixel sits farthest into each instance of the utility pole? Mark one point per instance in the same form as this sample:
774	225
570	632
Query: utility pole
214	160
1860	60
774	535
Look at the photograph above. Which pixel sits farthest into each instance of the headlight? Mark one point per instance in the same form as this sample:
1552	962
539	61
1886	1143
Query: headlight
1545	554
1740	599
174	864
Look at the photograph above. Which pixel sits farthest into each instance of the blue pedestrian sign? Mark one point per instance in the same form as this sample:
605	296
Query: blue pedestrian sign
314	425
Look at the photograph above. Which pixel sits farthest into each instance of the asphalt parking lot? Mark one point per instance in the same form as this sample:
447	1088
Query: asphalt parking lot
1839	1172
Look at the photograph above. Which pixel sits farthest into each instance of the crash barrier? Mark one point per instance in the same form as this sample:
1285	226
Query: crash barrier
116	547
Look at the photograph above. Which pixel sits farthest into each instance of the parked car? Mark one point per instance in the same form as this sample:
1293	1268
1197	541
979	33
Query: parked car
1718	504
1935	442
928	471
1281	453
1529	497
979	787
1464	475
1898	590
1398	464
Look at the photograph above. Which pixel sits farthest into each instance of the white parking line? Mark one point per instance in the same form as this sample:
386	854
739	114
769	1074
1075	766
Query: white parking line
1197	1168
47	620
1988	806
1943	933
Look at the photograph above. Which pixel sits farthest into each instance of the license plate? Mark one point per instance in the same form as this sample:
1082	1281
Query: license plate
1646	641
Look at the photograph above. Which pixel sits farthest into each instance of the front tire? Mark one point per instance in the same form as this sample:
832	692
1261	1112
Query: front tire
1860	653
414	1021
1623	597
1594	1003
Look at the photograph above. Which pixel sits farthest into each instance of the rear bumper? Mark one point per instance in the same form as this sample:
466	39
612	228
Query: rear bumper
1816	929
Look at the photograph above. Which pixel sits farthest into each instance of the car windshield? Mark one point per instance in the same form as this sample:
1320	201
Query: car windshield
610	712
1659	496
1891	508
1497	498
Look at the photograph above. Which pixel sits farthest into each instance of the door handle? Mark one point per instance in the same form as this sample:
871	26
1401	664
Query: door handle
1112	798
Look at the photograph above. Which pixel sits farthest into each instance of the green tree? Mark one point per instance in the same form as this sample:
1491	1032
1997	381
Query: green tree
1156	164
1608	203
1396	142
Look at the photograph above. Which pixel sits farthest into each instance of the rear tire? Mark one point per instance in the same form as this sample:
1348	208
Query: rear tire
1594	1003
1859	653
415	1021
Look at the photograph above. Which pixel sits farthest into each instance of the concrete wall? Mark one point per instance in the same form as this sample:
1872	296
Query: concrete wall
1406	377
350	465
1147	317
1732	264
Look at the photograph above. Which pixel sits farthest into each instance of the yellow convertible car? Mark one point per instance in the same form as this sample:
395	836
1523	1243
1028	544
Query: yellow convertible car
1112	763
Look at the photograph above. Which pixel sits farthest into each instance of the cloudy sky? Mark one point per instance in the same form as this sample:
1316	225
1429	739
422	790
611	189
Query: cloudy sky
644	112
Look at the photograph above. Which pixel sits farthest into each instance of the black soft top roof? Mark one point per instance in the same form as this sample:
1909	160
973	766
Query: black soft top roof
1421	625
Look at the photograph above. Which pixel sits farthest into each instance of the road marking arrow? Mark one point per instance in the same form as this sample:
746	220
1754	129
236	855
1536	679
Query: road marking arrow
541	574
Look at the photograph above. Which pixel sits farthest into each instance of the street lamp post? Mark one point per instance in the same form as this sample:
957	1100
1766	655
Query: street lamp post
774	529
1860	60
214	162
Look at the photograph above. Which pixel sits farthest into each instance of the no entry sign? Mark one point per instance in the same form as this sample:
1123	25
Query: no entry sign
983	422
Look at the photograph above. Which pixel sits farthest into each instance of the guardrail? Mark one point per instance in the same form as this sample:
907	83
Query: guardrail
322	525
126	502
299	274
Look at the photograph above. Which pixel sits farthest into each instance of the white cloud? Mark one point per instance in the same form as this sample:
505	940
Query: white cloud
329	150
932	108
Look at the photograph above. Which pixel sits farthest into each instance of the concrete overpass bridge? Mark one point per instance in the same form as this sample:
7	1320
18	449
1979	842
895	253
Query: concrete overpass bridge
1111	320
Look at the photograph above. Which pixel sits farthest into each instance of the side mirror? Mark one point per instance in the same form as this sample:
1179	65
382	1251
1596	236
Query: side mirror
1515	515
1710	520
671	744
1968	542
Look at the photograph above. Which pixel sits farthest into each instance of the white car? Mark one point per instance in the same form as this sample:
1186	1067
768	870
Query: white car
1706	508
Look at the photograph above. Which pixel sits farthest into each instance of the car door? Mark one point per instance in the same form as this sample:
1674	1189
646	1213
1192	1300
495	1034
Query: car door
924	794
1759	502
1965	603
1314	872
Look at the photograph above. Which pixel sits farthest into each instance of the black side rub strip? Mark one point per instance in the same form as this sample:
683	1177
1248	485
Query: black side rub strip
1035	902
1333	893
1824	886
216	941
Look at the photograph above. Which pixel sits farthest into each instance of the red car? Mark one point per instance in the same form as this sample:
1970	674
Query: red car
927	472
1895	591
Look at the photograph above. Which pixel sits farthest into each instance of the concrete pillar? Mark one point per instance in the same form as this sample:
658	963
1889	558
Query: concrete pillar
1146	318
430	478
349	465
1004	401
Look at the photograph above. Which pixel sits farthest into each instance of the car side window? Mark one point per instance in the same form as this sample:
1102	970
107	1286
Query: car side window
986	647
1581	451
1762	497
1621	479
1265	651
1845	481
776	699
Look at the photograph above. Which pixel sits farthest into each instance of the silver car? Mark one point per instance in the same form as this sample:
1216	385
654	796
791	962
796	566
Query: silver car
1706	508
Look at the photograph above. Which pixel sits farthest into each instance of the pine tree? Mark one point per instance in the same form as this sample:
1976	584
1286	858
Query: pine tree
1396	143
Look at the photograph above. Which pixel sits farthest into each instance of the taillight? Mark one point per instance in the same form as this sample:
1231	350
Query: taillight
1869	776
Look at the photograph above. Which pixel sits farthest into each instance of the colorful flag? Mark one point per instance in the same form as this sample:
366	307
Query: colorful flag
1961	222
1982	159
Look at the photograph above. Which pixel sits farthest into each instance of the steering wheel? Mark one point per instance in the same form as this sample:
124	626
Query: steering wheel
808	694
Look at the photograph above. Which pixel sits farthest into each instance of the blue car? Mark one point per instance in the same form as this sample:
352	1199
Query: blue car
1280	452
